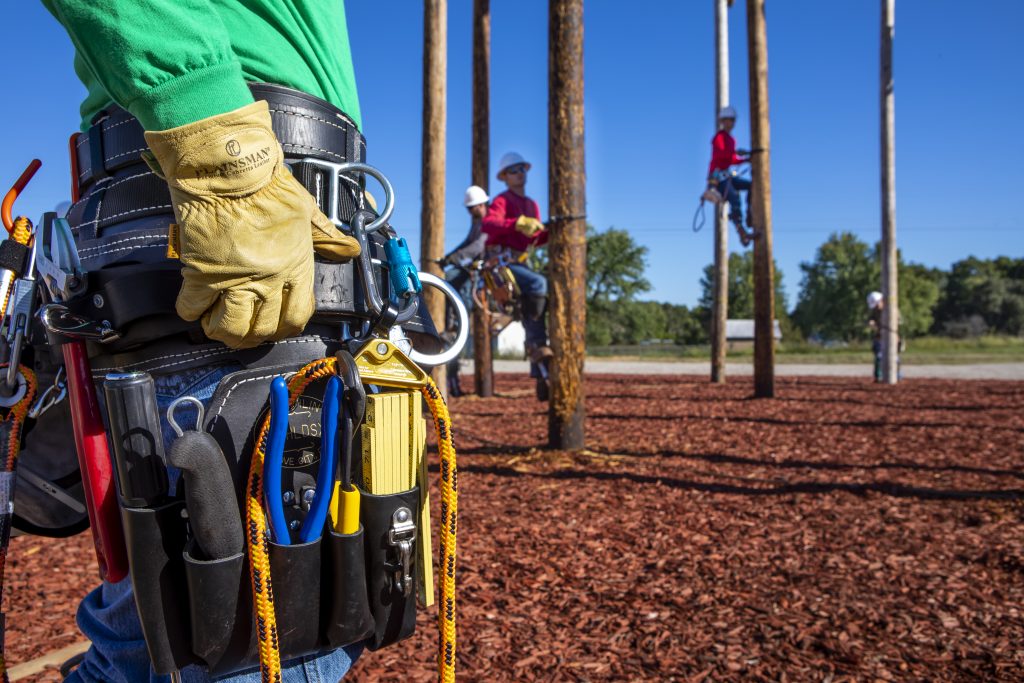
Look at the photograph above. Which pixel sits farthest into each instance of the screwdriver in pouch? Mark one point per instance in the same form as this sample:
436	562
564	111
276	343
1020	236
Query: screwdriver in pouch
136	439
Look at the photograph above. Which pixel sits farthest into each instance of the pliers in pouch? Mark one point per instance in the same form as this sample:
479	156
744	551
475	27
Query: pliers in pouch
312	526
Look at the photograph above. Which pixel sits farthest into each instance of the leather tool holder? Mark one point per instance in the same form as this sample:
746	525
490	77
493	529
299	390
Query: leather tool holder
337	590
391	568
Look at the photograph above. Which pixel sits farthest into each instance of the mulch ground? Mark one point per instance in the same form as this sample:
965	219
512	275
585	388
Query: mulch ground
842	531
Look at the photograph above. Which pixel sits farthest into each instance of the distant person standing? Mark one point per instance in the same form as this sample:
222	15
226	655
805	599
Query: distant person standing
721	178
512	226
876	306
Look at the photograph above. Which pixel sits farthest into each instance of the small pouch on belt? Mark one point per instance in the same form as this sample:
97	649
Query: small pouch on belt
344	592
390	525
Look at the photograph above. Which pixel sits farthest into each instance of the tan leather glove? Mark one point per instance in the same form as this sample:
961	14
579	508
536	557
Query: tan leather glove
529	226
247	228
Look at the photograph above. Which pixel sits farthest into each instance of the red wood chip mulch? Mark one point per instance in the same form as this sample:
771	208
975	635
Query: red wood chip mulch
842	531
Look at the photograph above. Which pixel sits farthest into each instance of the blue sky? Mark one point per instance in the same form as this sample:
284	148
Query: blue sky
649	98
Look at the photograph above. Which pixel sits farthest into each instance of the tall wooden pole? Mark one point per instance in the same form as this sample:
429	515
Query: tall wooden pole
890	263
720	309
483	365
435	47
567	246
761	203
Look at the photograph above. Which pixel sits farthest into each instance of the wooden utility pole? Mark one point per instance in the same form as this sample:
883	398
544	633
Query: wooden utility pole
720	308
761	203
567	202
483	365
435	48
890	260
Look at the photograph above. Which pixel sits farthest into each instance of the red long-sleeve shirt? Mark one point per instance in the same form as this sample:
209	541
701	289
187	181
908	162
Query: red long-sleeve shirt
500	222
723	153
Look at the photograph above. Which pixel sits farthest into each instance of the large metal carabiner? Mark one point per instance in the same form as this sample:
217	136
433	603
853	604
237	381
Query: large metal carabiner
386	313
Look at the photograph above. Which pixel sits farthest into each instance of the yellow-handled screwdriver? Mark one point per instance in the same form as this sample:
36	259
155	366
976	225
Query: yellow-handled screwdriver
345	501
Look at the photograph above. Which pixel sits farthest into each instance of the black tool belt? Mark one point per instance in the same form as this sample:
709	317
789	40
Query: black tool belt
122	216
328	593
121	222
195	610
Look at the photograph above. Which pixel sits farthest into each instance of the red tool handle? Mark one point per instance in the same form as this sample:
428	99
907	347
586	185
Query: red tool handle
12	194
96	465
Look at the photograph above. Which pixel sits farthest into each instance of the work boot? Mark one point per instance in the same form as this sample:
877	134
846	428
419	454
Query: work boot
540	360
712	195
745	238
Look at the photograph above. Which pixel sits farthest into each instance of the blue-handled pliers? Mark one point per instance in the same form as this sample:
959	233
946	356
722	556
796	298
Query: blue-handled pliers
313	525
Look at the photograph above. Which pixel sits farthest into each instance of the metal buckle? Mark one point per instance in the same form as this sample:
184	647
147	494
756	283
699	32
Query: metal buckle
58	262
335	171
402	535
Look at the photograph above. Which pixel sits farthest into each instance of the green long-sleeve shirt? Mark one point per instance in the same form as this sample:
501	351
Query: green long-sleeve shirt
172	62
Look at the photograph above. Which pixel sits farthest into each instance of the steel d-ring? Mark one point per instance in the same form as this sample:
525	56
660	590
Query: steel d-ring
18	394
460	309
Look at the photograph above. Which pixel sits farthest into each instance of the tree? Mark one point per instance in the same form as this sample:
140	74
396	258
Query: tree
615	275
919	289
833	287
615	267
741	288
987	290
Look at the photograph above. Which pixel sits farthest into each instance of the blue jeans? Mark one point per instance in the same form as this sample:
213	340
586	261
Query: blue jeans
731	188
532	284
108	618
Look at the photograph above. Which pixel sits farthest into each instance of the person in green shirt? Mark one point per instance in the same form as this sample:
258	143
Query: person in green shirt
181	67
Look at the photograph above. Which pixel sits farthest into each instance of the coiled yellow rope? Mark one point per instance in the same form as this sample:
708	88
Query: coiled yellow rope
259	539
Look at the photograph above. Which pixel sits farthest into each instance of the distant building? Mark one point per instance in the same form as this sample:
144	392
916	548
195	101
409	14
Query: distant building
511	340
739	334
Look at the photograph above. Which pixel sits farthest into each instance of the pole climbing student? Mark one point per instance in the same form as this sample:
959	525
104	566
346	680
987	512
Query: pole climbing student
247	228
721	178
471	249
512	226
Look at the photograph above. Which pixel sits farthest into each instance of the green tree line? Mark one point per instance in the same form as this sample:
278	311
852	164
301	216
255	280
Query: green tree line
974	297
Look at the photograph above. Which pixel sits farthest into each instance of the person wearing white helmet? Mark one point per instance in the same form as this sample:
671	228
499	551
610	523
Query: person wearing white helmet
472	247
456	264
876	304
722	180
512	226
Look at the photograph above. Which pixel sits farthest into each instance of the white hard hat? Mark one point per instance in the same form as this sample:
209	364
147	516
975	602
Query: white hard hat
475	195
727	113
874	298
511	159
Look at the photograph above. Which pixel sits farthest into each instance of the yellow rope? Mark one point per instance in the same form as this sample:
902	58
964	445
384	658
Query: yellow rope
258	538
449	527
16	415
21	233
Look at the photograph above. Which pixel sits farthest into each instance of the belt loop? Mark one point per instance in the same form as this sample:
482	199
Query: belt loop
97	164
